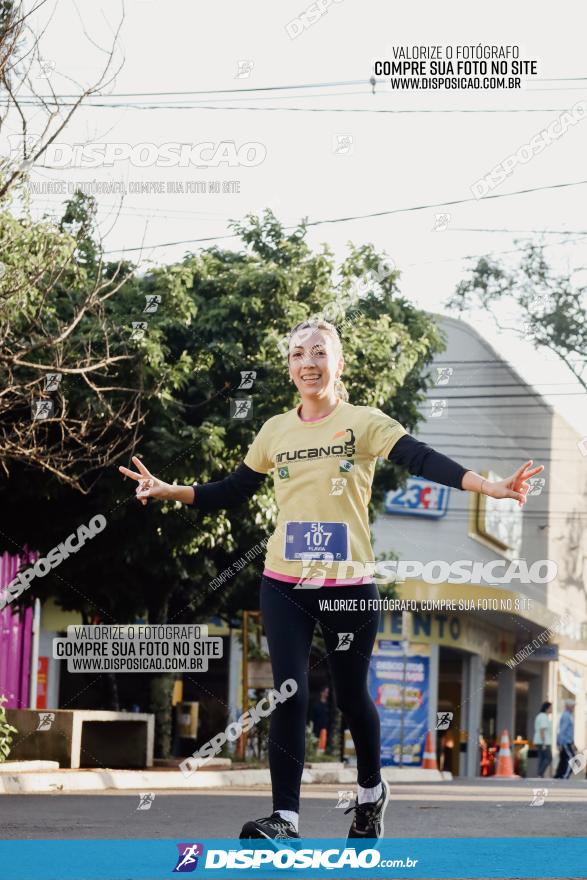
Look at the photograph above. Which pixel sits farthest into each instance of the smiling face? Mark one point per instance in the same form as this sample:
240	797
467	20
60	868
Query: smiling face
313	363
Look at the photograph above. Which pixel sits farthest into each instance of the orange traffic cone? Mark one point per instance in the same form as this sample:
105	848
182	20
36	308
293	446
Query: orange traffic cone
429	759
505	761
322	740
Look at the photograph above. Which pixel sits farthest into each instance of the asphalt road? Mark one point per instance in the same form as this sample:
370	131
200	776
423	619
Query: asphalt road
452	809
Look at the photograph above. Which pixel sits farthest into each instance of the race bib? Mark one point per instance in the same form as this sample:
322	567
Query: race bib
316	540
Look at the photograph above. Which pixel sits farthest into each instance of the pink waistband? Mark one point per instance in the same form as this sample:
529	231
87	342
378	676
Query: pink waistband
320	582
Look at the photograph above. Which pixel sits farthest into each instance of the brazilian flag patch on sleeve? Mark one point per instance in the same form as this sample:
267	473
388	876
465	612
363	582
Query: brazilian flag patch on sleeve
283	473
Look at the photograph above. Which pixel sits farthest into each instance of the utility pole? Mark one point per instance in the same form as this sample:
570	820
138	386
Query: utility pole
405	647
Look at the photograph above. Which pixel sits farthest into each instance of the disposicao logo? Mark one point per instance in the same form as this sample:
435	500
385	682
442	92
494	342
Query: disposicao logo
187	859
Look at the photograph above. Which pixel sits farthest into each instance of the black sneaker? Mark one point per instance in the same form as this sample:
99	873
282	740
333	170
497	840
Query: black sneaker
368	820
275	827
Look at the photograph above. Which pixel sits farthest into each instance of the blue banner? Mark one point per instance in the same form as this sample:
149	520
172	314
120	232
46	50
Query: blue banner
455	858
386	685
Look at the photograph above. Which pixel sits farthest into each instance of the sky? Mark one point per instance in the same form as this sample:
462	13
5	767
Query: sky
344	161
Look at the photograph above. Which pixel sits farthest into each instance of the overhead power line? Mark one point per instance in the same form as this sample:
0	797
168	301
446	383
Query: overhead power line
369	216
248	89
513	437
559	79
239	89
494	447
504	395
521	231
545	515
397	111
523	385
495	363
517	250
472	410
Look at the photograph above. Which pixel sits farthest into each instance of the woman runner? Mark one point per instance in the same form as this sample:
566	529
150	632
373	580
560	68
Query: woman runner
323	456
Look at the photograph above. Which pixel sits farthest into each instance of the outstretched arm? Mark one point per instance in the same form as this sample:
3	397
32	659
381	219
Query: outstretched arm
233	490
422	461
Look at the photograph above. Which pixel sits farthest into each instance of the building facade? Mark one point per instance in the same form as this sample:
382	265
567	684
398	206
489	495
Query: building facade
510	635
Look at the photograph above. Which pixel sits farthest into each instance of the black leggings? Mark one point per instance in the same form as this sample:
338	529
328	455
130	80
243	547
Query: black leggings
289	617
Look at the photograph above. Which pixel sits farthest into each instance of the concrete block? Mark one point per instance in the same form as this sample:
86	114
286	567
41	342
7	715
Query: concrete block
84	737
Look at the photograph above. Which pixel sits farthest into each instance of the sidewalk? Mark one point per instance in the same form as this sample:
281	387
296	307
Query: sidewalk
44	777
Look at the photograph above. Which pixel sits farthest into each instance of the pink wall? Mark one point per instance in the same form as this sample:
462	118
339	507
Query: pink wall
15	638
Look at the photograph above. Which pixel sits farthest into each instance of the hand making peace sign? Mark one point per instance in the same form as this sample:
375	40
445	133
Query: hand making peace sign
149	486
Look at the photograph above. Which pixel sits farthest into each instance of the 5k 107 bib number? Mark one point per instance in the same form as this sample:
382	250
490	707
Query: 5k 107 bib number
316	540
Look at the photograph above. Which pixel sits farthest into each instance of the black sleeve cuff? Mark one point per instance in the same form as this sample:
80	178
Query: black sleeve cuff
423	461
233	490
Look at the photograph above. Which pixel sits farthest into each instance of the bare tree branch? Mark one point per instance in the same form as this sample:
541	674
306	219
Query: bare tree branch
58	112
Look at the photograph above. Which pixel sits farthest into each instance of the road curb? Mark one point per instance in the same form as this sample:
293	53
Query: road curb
104	779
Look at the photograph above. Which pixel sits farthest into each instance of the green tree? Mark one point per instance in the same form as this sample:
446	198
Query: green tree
221	312
550	307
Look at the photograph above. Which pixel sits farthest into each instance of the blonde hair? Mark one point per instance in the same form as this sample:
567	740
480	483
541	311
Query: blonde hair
313	324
